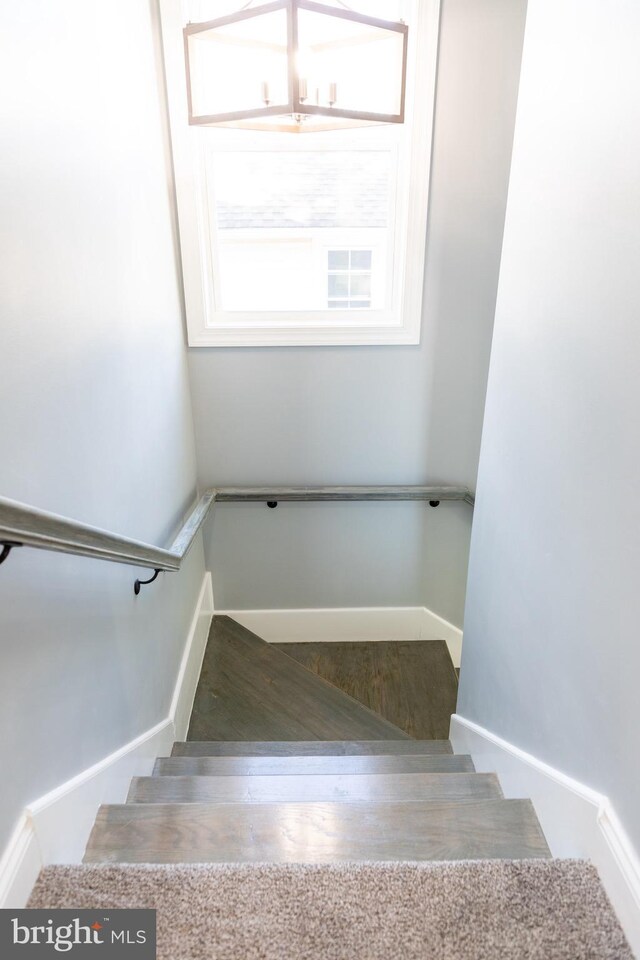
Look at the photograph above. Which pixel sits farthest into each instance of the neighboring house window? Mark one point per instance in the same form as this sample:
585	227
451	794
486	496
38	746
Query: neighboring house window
349	279
312	238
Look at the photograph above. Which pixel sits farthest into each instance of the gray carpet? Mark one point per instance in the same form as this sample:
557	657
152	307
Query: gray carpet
470	910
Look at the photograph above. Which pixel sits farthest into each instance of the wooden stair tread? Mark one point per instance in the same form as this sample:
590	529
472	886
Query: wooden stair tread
310	765
345	788
315	832
286	748
249	690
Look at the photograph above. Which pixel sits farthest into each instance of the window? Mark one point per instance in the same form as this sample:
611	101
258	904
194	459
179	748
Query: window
315	238
349	279
275	213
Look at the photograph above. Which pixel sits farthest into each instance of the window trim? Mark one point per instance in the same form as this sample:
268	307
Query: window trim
308	328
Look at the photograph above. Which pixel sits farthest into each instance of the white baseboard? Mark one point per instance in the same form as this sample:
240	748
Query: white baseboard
20	864
55	828
577	821
350	623
189	673
63	818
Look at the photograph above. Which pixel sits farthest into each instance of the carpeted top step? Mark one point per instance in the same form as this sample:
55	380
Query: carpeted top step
307	748
546	909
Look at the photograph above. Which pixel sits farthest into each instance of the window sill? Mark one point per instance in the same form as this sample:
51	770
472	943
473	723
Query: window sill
304	337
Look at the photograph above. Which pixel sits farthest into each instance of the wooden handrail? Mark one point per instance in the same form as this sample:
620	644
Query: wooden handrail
25	526
393	492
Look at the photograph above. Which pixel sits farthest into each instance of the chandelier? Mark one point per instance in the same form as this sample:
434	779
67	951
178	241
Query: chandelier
295	65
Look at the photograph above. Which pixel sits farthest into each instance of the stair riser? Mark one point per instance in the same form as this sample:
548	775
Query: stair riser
460	787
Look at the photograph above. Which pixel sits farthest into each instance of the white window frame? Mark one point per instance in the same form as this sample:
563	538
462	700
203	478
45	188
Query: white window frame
400	323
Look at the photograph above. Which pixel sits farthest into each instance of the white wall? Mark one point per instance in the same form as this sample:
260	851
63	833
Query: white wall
551	658
96	416
377	414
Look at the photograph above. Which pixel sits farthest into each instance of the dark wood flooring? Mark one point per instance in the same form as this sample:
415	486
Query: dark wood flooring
412	684
250	690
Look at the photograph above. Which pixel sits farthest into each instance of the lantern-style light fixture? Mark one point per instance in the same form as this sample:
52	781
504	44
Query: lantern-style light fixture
295	65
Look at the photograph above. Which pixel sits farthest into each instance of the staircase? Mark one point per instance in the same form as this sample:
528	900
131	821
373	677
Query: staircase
295	822
326	780
291	802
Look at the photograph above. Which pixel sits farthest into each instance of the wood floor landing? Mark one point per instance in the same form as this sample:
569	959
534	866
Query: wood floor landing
413	684
315	832
249	690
